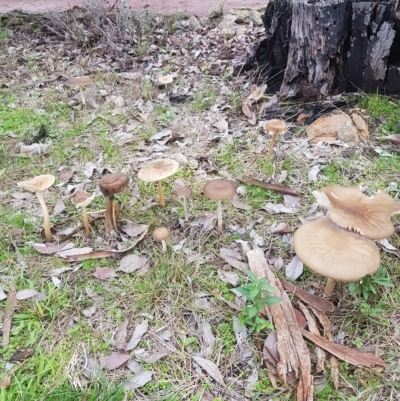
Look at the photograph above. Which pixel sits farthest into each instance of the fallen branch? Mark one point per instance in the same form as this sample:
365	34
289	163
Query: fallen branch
293	352
12	303
273	187
316	302
347	354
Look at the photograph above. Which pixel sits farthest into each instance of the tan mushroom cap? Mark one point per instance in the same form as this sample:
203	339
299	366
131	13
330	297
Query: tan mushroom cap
335	253
164	80
275	126
161	233
351	209
113	183
39	183
158	170
80	81
184	191
219	189
82	198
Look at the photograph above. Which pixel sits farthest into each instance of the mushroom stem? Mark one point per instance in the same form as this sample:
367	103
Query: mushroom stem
185	208
83	97
219	214
160	194
329	287
85	221
46	217
109	214
114	215
272	144
164	245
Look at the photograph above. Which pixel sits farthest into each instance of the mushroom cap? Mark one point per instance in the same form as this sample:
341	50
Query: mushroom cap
161	233
184	191
334	252
275	126
157	170
82	198
38	183
219	189
351	209
111	184
80	81
164	80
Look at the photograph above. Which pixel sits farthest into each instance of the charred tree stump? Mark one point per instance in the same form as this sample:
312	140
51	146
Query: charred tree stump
315	48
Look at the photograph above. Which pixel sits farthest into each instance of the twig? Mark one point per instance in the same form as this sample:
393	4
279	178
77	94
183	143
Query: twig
12	303
273	187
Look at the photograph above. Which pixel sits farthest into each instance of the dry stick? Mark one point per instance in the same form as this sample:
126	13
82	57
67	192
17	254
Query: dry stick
12	303
273	187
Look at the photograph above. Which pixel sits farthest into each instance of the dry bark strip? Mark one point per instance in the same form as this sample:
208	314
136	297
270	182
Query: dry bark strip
12	303
312	325
316	302
273	187
326	324
293	352
347	354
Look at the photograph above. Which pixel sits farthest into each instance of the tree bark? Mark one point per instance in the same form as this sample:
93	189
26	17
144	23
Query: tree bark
316	48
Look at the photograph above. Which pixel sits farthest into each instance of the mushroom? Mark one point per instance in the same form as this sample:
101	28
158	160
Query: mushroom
80	81
184	192
161	234
335	253
349	208
110	185
83	199
219	190
274	127
38	185
157	170
165	80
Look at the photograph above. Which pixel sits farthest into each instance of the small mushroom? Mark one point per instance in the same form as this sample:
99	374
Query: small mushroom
165	80
80	81
335	253
274	127
83	199
349	208
161	234
184	193
219	190
158	170
110	185
38	185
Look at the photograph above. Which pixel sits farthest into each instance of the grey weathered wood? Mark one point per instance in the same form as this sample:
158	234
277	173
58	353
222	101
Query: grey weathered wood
315	48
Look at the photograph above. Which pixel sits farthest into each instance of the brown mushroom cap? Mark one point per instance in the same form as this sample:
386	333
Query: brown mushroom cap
82	198
351	209
111	184
335	253
39	183
80	81
275	126
157	170
164	80
184	191
219	189
161	233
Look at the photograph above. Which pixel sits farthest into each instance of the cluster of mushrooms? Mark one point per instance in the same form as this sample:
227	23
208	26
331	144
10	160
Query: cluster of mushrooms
339	246
112	184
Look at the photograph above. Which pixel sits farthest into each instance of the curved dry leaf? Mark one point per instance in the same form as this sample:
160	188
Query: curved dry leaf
2	294
239	204
233	258
228	277
151	357
131	263
137	381
113	361
104	273
211	369
25	294
257	94
248	112
294	269
137	335
49	249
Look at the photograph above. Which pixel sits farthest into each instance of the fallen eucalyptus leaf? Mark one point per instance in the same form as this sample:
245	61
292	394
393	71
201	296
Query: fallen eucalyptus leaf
137	381
294	269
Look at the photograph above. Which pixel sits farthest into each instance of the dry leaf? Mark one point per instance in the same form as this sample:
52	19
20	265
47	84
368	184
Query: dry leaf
113	361
57	272
154	356
25	294
131	263
258	93
228	277
65	175
313	173
2	294
137	381
59	207
137	335
49	249
274	208
233	258
211	368
8	315
294	269
104	273
120	338
22	353
248	112
239	204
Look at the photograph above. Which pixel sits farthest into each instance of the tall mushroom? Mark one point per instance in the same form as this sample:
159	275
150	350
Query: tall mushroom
274	127
219	190
80	82
184	193
83	199
335	253
349	208
161	234
110	185
158	170
38	185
